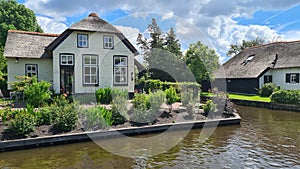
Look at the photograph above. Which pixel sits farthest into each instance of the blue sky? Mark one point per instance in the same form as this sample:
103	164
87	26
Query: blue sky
215	23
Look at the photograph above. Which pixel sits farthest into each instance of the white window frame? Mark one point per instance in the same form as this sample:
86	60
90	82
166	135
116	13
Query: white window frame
82	40
108	42
293	78
90	66
31	73
123	74
64	59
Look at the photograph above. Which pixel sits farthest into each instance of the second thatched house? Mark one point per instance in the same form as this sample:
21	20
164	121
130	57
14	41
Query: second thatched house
277	62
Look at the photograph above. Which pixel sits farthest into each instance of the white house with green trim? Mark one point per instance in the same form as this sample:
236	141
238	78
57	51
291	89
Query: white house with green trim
91	54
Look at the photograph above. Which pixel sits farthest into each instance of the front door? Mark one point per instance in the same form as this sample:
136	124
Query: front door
67	74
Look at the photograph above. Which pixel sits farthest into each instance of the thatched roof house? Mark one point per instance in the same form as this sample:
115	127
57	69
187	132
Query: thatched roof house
90	54
277	62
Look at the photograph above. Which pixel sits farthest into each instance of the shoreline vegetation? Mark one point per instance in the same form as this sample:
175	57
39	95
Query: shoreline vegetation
107	108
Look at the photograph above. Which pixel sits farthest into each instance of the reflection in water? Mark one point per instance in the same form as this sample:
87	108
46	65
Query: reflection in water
265	139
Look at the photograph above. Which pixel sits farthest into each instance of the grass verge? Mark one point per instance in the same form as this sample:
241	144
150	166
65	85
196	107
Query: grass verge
242	97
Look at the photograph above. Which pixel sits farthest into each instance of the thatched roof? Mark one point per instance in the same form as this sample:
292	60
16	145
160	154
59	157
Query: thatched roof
27	44
254	61
95	24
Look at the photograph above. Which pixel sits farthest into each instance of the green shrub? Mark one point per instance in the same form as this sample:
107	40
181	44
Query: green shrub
286	97
190	95
22	124
152	85
156	99
21	83
171	95
97	118
119	106
65	114
7	114
146	107
267	89
37	93
104	96
140	101
209	106
140	116
43	116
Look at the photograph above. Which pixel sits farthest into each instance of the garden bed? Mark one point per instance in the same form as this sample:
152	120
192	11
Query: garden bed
167	114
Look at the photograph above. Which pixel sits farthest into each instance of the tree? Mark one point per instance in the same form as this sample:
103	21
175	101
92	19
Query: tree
172	43
237	48
202	61
160	52
14	16
156	40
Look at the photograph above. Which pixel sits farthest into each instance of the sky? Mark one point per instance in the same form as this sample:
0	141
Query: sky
216	23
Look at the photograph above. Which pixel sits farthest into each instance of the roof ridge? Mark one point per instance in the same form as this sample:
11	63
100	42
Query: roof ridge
272	43
34	33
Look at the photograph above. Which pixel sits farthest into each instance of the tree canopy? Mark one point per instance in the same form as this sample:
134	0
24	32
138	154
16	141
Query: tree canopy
162	52
202	61
237	48
158	50
14	16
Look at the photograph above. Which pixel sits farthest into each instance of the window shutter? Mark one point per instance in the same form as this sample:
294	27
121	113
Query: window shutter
265	79
288	78
297	78
271	79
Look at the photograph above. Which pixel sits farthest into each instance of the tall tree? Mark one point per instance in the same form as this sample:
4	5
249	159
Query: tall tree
172	43
202	61
14	16
156	40
161	53
237	48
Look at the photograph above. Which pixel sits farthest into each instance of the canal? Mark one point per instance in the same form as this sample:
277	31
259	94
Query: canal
265	139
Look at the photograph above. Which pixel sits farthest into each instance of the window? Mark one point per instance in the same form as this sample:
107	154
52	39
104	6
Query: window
82	40
120	70
66	59
90	69
108	42
267	79
31	70
249	59
292	78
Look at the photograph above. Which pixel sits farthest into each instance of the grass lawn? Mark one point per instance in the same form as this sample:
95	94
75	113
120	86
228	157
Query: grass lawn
242	97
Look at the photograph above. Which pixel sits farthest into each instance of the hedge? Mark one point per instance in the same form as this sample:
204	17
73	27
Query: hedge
153	85
286	97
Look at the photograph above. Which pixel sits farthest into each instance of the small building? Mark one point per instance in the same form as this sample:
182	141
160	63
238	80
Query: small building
277	63
91	54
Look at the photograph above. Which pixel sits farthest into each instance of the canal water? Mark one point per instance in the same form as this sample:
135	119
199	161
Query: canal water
265	139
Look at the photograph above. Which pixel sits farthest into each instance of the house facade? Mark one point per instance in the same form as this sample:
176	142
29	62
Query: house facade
277	63
91	54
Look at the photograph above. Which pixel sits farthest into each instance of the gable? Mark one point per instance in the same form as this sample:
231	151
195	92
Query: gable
91	24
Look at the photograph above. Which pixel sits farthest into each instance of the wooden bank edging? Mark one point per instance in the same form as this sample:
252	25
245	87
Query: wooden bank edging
112	133
269	105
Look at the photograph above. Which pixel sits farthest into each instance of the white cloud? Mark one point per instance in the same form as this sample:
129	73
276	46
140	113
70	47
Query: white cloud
290	36
212	18
130	33
51	25
168	15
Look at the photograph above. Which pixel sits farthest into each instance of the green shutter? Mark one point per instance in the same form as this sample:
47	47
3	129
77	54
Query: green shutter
297	78
288	78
